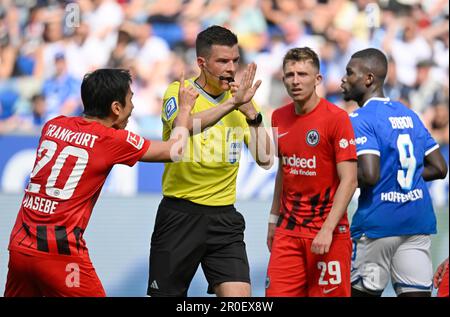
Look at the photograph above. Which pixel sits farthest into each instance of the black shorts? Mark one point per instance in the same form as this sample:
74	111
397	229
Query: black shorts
188	234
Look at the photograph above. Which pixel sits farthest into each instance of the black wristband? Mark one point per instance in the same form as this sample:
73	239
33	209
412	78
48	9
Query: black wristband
256	121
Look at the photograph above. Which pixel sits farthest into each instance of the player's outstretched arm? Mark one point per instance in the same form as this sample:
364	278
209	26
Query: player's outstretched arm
434	166
173	149
204	119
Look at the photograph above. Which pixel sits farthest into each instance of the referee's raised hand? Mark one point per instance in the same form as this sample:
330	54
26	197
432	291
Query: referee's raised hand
246	91
186	95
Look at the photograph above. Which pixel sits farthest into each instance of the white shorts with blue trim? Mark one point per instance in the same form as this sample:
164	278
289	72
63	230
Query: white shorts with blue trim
405	259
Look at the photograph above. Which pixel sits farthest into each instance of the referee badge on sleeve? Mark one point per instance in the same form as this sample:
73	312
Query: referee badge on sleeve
170	107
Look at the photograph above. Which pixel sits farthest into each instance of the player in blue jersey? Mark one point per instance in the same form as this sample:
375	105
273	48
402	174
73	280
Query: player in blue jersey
396	155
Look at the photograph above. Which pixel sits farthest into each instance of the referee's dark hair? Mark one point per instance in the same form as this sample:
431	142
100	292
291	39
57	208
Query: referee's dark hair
214	35
101	88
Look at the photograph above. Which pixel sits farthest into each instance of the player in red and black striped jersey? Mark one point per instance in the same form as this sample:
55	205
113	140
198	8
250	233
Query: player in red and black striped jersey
48	255
309	236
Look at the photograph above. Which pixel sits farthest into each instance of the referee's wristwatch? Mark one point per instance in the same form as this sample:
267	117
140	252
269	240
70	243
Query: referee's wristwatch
255	121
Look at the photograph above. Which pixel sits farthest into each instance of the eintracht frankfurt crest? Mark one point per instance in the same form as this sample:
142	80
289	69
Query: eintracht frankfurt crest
312	137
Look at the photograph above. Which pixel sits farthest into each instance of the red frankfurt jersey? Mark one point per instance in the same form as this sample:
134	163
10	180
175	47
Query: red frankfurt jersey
73	159
309	147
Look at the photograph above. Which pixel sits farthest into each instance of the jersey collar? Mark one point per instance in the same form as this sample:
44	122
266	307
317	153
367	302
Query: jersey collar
206	95
375	98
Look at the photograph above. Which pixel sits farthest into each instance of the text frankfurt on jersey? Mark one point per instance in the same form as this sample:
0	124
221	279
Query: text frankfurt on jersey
66	135
397	197
301	166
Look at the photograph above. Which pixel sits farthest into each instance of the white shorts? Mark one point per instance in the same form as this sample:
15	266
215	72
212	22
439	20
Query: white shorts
406	259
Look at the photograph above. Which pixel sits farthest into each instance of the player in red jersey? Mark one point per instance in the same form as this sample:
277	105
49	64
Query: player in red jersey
48	255
308	233
440	279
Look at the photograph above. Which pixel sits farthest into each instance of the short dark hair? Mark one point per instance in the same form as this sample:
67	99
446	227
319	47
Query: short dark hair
302	54
214	35
101	88
374	61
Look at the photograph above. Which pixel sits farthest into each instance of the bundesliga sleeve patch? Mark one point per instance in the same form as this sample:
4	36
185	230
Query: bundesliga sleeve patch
135	140
170	108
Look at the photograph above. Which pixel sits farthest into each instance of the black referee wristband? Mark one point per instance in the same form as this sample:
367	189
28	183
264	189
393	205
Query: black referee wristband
256	121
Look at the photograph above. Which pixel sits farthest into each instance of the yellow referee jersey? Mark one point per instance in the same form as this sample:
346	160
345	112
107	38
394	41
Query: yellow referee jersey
207	174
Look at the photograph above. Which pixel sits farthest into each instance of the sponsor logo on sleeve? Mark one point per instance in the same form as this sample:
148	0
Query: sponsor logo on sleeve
343	143
361	140
170	108
135	140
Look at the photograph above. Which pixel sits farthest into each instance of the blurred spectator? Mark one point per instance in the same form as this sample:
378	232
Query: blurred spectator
61	91
277	11
32	120
436	119
147	102
84	52
185	49
244	18
33	31
367	19
38	111
7	51
323	14
149	54
437	36
163	16
104	18
8	99
345	45
269	63
403	36
427	89
119	57
155	39
53	38
392	88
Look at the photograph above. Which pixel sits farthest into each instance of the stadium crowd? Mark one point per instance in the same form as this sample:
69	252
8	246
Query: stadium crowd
47	46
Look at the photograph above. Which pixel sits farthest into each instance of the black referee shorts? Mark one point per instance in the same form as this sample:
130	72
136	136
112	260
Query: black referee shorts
188	234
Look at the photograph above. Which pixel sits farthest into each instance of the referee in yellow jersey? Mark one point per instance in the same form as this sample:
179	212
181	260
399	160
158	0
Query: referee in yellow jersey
197	222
